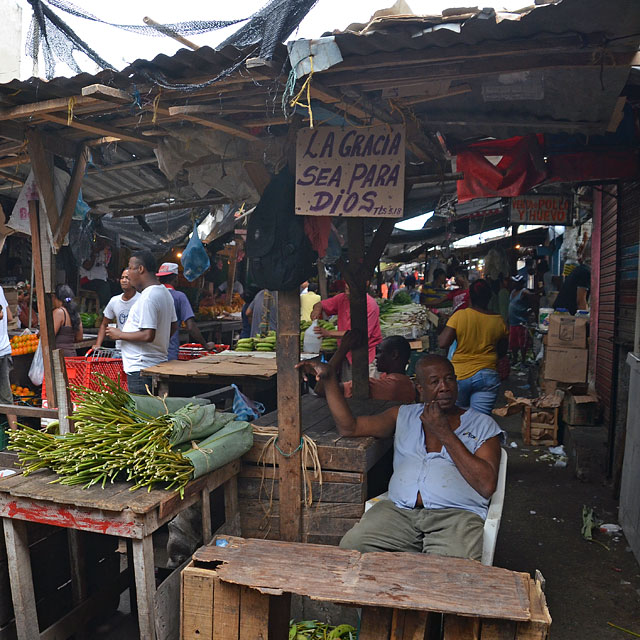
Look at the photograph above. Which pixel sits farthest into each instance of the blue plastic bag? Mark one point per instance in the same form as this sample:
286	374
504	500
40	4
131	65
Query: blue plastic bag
244	408
195	259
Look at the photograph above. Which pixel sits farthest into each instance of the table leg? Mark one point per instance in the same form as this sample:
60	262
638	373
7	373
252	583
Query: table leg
206	517
231	509
79	588
145	586
162	387
22	594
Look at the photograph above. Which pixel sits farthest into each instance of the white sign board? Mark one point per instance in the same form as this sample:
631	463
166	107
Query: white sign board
541	209
350	171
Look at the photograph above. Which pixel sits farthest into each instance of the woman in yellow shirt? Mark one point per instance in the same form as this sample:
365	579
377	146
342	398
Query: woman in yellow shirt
482	340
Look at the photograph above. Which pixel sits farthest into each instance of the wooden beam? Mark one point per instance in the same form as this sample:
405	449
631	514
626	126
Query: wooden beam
14	162
289	416
211	122
47	336
44	176
53	143
108	94
99	129
46	106
121	166
131	194
165	31
11	178
378	244
358	305
170	207
71	197
29	412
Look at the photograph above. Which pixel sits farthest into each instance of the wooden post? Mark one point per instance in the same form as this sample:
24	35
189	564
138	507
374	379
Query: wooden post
47	336
231	275
322	281
289	416
65	406
358	300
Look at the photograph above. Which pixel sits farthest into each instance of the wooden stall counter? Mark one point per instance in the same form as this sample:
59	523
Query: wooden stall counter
114	511
351	469
252	373
247	585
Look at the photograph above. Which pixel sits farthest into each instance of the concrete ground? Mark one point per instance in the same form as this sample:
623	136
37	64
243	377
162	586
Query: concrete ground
587	585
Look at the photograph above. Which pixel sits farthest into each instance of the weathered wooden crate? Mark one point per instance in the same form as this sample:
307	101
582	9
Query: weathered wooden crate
352	468
243	592
540	426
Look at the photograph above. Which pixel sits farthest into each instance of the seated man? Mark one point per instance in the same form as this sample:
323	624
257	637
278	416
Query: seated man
392	356
445	466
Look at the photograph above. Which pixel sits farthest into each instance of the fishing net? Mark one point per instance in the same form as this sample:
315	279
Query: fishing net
264	29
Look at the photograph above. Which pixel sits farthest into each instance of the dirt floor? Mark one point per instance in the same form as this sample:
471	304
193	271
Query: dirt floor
587	585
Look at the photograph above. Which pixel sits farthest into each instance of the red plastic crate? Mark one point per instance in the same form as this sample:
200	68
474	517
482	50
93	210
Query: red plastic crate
82	372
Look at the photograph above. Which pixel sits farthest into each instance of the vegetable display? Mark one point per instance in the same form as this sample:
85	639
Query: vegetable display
397	318
114	439
315	630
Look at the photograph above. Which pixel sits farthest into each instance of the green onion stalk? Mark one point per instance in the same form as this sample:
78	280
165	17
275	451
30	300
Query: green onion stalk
111	440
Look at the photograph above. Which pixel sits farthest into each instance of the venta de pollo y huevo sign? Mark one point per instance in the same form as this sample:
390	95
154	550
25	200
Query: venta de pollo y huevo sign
541	209
350	171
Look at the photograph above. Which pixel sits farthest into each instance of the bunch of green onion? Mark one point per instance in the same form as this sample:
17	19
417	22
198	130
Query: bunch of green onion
111	440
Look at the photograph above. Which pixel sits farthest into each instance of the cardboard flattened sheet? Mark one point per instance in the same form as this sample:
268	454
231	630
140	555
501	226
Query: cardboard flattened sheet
223	366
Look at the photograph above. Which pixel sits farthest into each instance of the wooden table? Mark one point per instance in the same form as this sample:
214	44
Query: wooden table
346	481
252	373
245	587
114	511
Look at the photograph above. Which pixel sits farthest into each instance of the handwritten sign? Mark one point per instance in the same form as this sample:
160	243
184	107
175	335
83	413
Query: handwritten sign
541	209
350	171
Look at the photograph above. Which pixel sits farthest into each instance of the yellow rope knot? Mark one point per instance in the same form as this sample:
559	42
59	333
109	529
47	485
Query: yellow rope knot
70	105
305	87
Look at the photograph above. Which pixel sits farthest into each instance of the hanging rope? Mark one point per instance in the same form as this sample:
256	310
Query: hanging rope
70	105
306	87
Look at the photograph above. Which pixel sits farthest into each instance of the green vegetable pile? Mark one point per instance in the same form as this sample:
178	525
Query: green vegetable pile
267	343
88	319
399	318
314	630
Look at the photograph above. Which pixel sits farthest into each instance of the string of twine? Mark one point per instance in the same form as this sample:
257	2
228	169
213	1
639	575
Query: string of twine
305	88
310	464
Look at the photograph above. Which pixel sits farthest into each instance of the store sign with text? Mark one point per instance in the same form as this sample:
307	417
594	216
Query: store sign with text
350	171
541	209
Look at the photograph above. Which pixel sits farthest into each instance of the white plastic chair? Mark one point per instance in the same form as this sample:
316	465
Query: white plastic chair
494	514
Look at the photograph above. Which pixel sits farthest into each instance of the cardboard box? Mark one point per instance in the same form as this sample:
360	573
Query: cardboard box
580	410
576	388
567	331
564	364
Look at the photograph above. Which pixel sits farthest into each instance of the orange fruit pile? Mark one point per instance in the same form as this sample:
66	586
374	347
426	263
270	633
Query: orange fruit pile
21	391
24	344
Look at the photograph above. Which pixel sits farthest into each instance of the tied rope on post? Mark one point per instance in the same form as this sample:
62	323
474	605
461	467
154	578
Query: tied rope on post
309	461
70	105
306	87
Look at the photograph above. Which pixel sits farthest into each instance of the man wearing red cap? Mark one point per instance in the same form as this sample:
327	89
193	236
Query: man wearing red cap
168	275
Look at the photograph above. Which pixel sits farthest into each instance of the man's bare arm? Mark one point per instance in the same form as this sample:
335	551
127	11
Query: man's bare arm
379	426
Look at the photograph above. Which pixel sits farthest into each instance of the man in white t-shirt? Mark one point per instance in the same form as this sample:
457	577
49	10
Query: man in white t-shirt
152	319
6	361
117	309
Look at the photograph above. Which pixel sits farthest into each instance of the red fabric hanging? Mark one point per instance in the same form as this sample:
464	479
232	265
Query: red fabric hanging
520	168
318	229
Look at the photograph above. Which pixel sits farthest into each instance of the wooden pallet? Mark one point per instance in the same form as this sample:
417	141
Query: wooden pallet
536	432
243	592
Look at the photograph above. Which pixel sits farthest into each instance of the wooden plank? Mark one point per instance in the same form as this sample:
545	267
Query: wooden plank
44	106
110	94
375	623
267	471
461	628
22	594
396	580
317	510
231	507
77	561
143	567
397	624
211	122
289	415
415	625
493	629
226	610
166	602
254	615
538	627
63	393
71	197
91	126
328	492
196	611
29	412
47	337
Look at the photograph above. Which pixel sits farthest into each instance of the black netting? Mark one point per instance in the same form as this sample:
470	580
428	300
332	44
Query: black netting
267	27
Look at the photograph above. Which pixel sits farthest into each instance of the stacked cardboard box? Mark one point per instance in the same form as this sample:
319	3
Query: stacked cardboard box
566	353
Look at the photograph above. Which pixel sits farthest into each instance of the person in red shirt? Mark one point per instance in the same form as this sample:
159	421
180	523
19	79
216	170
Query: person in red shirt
339	305
392	357
458	297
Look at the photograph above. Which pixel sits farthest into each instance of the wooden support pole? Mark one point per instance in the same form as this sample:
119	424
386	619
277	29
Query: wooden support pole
44	176
289	416
47	336
71	197
65	406
231	275
358	305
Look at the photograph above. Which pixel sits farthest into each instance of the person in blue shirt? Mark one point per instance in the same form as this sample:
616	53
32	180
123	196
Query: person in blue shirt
445	466
168	276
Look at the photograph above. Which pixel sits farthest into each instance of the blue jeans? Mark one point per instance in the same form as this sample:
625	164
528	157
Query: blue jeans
136	383
480	391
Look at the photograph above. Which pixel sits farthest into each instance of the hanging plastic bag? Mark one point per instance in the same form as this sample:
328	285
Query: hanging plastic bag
244	408
36	370
195	259
312	340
